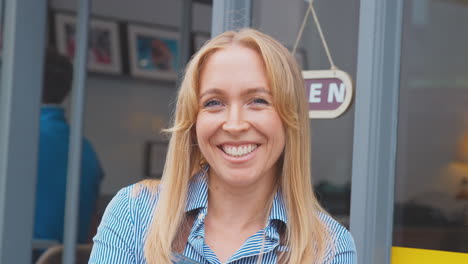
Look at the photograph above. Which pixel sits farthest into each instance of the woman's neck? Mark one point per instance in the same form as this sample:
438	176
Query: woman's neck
240	207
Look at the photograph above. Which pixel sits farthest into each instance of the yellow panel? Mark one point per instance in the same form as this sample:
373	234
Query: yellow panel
401	255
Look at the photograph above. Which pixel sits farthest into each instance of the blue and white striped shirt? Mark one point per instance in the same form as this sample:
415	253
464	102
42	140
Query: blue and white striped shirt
122	232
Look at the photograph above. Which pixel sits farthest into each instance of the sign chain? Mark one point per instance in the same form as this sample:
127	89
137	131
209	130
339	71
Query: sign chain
311	9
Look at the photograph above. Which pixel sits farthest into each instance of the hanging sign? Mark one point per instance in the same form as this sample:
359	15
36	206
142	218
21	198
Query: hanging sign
329	92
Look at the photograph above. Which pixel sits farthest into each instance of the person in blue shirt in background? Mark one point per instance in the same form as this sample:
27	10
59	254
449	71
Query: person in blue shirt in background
53	155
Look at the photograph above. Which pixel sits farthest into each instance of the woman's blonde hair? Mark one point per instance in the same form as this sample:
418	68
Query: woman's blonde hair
306	236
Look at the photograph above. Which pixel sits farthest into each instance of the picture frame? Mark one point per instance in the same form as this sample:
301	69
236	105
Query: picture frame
154	158
153	52
104	54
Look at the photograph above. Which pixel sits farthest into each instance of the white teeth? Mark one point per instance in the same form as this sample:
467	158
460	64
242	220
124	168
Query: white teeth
239	150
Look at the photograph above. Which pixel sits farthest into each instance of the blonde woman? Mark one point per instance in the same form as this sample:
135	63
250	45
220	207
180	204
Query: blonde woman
236	186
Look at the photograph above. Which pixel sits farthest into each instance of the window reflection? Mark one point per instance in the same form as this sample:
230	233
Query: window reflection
431	205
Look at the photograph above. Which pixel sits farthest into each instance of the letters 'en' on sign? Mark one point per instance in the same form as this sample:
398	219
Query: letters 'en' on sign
329	93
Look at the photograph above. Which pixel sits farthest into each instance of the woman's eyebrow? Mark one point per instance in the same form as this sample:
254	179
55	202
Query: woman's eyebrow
211	91
248	91
255	90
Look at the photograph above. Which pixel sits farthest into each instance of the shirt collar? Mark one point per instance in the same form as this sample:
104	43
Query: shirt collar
198	191
278	209
198	197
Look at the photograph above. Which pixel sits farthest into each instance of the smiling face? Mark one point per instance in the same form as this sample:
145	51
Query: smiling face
238	130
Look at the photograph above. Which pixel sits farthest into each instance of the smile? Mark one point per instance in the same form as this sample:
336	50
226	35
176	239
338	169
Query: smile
238	151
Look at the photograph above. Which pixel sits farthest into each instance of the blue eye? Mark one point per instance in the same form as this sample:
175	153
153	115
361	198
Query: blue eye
260	101
212	103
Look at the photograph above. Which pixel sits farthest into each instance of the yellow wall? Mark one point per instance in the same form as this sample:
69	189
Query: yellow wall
402	255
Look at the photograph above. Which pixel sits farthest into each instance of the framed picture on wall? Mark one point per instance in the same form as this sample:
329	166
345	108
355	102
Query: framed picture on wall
103	47
154	158
153	52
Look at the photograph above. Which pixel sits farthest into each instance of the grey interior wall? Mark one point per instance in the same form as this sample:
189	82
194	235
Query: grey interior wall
280	19
120	116
123	112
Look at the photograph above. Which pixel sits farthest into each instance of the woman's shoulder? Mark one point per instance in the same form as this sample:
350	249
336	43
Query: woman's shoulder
121	233
137	192
137	200
336	229
343	242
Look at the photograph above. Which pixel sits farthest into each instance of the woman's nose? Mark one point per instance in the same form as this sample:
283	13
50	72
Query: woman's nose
235	120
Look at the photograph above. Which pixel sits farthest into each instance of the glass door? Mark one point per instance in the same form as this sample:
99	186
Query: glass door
431	179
